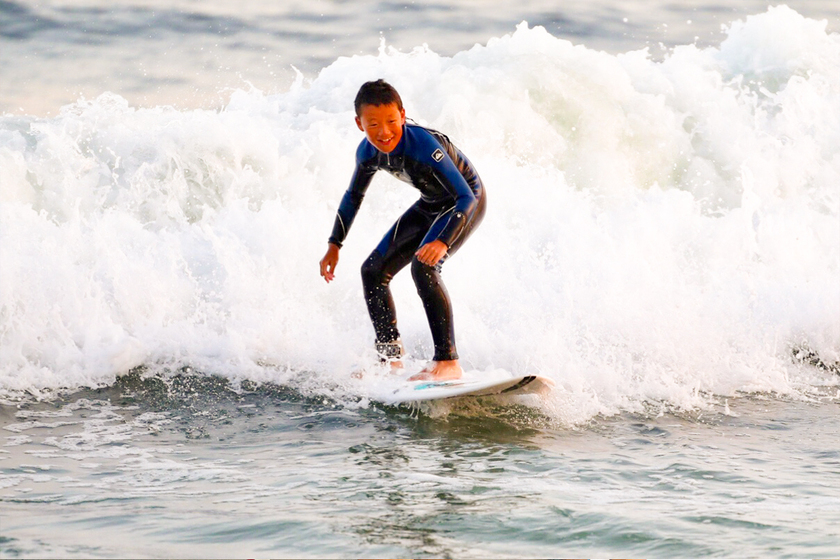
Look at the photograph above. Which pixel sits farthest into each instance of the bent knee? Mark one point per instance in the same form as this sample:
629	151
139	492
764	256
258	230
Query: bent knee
373	270
423	273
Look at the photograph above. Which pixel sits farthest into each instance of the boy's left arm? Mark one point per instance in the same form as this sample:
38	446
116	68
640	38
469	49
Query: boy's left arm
465	201
431	253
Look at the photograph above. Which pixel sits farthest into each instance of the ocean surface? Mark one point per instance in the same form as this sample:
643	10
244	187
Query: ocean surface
662	241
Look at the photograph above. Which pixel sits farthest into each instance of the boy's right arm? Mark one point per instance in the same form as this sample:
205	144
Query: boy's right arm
350	203
329	262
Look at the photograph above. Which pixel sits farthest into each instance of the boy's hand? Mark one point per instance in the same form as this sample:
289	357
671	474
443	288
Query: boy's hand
431	253
329	262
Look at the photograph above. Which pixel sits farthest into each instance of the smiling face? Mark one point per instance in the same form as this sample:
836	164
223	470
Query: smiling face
382	124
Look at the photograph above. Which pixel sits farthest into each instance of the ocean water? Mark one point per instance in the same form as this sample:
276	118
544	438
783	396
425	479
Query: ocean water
662	240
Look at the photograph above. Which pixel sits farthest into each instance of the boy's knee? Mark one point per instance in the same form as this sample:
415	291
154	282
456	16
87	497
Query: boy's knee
423	274
373	270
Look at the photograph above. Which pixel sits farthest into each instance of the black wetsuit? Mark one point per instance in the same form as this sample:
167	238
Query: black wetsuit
451	205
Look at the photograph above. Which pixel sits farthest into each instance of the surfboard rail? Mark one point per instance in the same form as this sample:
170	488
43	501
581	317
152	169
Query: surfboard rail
471	384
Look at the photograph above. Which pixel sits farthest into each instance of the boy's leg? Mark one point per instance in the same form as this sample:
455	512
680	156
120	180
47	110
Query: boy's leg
432	291
392	254
438	309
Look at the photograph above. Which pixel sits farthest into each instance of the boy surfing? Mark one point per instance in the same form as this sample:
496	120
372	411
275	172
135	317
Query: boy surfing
451	205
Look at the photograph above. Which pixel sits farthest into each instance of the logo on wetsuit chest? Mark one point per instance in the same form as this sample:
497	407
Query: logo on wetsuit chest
437	155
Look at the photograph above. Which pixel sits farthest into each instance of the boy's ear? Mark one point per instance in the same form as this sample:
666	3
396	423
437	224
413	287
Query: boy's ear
402	116
359	124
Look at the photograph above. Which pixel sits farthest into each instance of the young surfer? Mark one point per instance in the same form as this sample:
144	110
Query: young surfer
451	205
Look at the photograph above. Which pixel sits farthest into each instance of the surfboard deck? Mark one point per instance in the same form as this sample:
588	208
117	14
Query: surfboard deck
471	384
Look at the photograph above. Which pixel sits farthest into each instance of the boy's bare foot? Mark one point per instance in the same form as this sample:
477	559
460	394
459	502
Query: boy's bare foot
395	368
439	371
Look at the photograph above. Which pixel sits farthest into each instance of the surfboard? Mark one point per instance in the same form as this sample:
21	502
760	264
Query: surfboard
471	384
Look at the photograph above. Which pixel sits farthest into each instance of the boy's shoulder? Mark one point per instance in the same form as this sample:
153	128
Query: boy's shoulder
425	144
423	133
366	151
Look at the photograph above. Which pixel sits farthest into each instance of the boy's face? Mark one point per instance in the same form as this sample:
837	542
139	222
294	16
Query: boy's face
382	124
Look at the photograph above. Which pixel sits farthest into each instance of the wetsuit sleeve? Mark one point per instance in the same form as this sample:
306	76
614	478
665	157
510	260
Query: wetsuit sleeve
352	200
455	183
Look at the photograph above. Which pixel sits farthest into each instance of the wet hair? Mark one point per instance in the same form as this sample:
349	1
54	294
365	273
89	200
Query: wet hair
377	93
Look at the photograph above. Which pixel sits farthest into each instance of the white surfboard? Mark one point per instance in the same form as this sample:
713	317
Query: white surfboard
471	384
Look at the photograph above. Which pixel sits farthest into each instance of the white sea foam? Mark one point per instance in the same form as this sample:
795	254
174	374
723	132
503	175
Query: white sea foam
657	230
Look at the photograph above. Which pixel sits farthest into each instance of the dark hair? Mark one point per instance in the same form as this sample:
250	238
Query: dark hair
377	93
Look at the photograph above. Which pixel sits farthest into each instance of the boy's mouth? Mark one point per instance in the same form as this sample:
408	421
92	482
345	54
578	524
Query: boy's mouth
385	142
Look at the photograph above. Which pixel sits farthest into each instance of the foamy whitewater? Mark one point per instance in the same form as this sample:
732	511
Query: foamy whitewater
662	240
658	231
